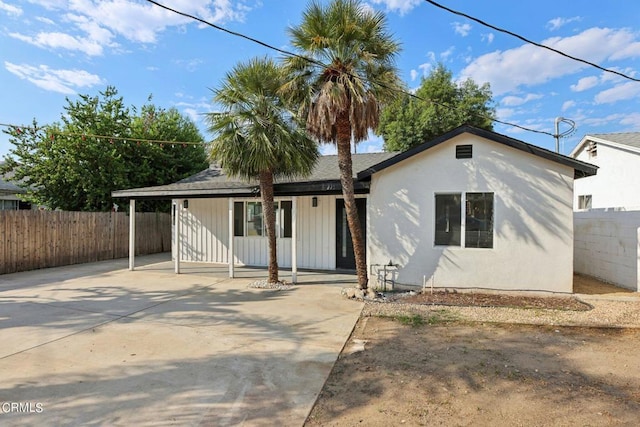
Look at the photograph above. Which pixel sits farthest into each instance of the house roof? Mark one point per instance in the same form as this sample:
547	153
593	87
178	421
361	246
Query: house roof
213	182
581	169
629	140
325	177
7	186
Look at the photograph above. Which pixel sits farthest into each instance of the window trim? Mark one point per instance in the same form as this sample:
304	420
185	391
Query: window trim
582	198
463	220
280	230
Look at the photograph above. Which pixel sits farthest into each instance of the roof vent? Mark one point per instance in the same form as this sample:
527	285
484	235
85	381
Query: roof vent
464	151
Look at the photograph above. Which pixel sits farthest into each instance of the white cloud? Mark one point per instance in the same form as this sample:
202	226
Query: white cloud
95	24
632	120
62	81
447	53
58	40
400	6
513	101
568	104
556	23
488	37
585	83
528	65
617	93
10	9
190	65
45	20
414	74
461	29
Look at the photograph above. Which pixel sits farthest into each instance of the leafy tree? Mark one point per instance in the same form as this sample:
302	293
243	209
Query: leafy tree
408	121
75	164
256	136
341	98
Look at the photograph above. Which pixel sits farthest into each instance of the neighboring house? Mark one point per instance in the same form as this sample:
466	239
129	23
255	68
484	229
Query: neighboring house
9	192
607	217
470	209
616	185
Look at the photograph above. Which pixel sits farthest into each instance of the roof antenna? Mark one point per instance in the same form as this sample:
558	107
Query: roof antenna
566	133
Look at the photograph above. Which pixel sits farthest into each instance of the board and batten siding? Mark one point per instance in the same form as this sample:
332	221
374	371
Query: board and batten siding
205	235
533	218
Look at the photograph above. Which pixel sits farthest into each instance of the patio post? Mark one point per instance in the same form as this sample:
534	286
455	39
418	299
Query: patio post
132	233
294	239
230	255
176	234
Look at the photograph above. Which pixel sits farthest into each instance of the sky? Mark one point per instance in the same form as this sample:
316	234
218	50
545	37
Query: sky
51	50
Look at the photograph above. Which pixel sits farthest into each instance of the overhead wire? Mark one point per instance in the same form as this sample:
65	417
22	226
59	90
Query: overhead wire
526	40
50	132
320	64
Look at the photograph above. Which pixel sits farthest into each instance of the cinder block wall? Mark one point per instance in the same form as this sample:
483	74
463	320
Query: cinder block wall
606	245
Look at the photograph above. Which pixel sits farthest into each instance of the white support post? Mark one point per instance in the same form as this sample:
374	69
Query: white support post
132	233
230	254
176	235
294	240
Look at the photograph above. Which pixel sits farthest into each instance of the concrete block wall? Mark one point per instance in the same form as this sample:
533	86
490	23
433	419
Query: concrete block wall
606	245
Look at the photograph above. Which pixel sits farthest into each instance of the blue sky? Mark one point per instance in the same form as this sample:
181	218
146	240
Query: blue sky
52	49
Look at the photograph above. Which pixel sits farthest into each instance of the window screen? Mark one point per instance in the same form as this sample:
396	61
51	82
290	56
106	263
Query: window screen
448	216
479	220
238	219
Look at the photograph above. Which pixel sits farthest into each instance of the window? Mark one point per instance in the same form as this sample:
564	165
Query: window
448	223
584	202
238	218
478	224
592	149
8	205
479	220
248	219
254	219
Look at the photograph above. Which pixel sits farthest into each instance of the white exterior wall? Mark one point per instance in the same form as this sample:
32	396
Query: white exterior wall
617	181
533	219
607	246
205	235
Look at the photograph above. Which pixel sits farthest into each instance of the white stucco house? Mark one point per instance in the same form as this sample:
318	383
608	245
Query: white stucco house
607	209
470	209
617	156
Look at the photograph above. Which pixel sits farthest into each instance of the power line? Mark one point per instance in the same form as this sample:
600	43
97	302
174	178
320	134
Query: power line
320	64
53	134
526	40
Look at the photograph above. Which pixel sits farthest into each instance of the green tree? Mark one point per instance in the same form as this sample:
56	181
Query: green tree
342	90
443	105
75	164
257	137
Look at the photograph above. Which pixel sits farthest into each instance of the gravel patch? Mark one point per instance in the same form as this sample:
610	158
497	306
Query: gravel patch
265	284
605	313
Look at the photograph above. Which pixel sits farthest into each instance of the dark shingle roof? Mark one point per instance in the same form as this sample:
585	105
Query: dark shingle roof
8	186
213	181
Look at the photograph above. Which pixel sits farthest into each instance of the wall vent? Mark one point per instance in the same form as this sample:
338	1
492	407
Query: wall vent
464	151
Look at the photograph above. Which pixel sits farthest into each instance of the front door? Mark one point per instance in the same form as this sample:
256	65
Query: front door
345	258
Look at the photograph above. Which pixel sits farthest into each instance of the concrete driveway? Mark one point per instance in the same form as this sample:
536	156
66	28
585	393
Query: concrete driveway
97	344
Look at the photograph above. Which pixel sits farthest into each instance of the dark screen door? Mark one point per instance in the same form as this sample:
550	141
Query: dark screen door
345	258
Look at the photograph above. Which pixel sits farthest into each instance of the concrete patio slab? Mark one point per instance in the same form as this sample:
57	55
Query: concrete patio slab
149	347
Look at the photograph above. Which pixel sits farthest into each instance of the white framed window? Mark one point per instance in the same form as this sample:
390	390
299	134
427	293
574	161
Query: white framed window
471	228
584	201
248	219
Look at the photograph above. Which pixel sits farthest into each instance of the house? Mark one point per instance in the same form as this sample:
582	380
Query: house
617	156
9	192
607	209
470	209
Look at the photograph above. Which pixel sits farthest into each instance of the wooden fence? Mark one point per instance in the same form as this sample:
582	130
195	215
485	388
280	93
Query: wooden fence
39	239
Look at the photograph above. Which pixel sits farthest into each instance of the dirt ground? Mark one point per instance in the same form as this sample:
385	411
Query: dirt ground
399	372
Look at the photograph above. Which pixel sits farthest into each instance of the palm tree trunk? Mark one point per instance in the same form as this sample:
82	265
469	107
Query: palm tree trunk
343	129
266	190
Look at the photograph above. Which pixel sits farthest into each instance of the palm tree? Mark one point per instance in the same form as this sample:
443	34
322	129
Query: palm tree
341	89
257	137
